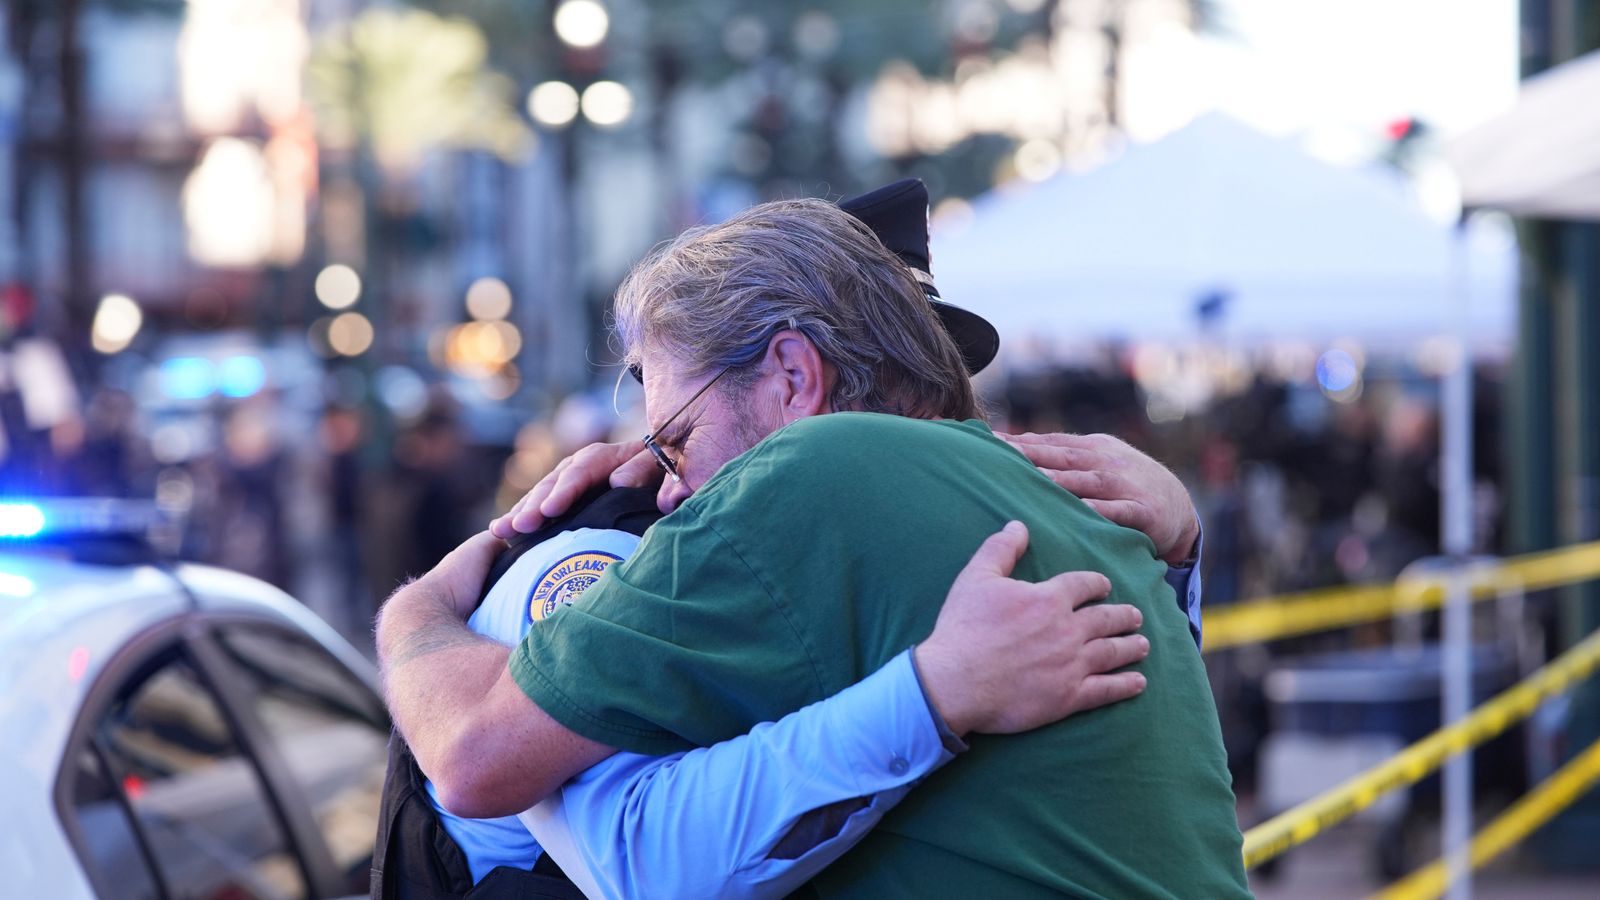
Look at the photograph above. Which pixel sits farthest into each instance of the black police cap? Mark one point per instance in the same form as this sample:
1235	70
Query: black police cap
898	214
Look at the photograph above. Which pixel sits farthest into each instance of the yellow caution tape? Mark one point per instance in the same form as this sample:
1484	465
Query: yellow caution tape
1295	614
1412	764
1521	819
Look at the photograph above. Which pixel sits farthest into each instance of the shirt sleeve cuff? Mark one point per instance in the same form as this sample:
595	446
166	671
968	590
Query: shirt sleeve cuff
1185	582
893	732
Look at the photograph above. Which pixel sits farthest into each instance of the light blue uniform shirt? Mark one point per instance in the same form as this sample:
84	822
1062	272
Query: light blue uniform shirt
1185	582
709	817
705	823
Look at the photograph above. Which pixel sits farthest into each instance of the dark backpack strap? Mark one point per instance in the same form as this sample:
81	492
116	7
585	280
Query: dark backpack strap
414	858
621	509
545	882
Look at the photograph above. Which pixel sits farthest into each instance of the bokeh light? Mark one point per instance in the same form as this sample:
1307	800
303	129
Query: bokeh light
744	37
582	23
488	299
228	205
553	104
1038	159
241	376
116	322
402	390
1339	376
350	334
188	378
607	103
338	286
479	348
951	215
816	34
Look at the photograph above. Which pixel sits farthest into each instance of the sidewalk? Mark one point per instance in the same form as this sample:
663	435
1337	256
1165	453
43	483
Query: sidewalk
1338	865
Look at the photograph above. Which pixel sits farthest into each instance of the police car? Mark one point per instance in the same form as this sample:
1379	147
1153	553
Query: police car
172	730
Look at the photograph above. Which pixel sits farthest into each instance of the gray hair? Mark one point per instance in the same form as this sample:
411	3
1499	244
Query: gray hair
713	298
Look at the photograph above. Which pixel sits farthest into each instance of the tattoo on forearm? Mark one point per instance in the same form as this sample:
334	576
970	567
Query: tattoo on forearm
427	640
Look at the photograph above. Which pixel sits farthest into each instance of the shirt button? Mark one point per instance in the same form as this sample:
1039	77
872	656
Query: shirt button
898	766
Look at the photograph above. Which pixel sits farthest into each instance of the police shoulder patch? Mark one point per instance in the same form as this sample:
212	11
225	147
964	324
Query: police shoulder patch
565	581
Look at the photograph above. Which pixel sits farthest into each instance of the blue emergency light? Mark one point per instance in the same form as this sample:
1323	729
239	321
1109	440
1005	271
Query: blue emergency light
57	519
21	520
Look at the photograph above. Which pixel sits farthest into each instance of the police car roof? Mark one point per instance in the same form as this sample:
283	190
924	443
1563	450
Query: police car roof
62	621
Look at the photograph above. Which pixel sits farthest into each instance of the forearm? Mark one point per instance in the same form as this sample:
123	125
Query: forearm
757	815
435	672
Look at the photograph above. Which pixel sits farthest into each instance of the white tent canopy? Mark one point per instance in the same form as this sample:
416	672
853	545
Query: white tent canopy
1542	158
1293	247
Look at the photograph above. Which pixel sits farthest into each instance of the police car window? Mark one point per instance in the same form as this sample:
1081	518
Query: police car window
198	799
331	731
112	856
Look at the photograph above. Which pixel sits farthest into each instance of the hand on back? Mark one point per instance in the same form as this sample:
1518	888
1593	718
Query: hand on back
1008	656
1120	483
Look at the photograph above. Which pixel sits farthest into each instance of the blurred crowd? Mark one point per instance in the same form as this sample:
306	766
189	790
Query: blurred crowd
338	498
334	499
1296	490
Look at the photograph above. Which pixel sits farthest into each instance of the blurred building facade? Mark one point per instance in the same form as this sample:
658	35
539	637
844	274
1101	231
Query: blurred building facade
209	159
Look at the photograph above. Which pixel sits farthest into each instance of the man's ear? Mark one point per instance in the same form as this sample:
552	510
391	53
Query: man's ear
801	379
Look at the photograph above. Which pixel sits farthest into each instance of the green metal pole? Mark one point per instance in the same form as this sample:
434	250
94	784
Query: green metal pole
1580	377
1531	396
1556	412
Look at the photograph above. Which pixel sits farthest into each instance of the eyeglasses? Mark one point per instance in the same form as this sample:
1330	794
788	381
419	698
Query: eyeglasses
667	464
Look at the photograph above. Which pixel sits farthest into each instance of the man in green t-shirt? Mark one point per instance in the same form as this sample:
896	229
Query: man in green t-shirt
806	556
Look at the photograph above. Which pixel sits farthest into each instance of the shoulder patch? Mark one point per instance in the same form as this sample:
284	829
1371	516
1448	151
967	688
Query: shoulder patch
565	581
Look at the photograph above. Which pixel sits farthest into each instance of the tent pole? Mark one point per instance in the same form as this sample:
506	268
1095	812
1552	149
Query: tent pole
1456	518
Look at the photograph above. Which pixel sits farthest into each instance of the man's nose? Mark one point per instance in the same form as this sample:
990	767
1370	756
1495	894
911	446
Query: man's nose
671	494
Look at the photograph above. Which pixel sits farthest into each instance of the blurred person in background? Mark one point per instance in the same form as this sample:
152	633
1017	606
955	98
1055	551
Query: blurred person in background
249	521
339	437
1222	508
111	460
431	457
1407	478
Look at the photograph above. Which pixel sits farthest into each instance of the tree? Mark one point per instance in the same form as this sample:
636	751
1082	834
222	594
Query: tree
402	83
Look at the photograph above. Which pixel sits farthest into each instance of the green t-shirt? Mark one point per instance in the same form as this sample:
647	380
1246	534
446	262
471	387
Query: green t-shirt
810	561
